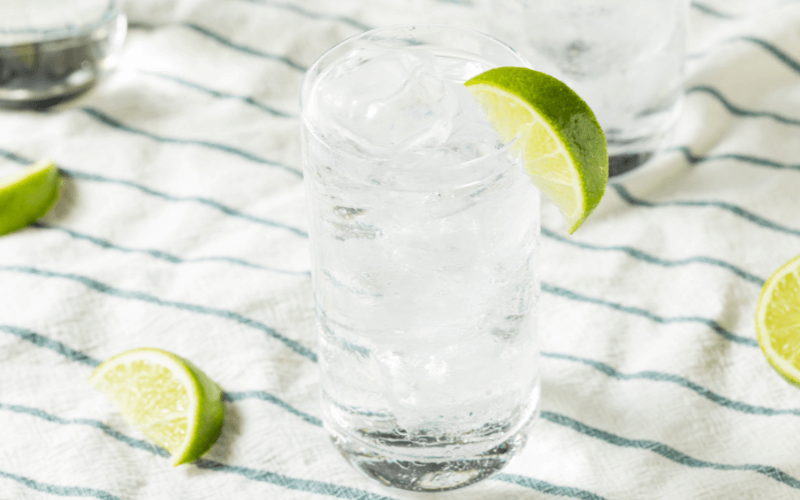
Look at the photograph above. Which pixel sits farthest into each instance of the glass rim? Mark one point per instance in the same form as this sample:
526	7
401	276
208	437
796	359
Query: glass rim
306	85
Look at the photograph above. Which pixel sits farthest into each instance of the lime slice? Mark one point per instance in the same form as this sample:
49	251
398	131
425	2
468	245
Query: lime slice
563	145
166	397
778	320
27	195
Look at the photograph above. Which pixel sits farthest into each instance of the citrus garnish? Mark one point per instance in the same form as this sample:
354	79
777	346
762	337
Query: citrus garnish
563	146
27	195
778	320
166	397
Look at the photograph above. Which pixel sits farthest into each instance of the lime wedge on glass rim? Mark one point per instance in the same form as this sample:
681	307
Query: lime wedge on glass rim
778	320
28	195
166	397
562	144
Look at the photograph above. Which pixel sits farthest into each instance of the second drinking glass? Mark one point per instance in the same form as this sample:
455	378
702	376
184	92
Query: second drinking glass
624	57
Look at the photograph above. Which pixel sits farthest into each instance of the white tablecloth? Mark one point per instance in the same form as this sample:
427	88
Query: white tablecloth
182	225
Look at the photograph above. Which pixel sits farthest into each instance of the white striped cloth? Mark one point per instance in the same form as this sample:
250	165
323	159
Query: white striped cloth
182	225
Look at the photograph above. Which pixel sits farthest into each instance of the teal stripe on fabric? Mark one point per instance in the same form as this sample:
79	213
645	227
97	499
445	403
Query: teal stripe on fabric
545	487
740	212
313	15
677	380
242	48
184	306
219	94
753	160
62	491
640	255
76	174
48	343
253	474
711	12
134	443
738	111
282	480
107	120
158	254
772	49
667	451
768	46
636	311
310	486
265	396
15	157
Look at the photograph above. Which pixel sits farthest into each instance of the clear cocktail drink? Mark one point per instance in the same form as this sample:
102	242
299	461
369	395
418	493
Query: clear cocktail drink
424	233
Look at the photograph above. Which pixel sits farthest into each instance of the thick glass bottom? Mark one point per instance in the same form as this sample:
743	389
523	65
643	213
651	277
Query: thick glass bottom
623	163
410	471
40	74
42	103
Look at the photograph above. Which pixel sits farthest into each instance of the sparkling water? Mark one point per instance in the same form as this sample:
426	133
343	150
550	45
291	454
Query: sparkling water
424	235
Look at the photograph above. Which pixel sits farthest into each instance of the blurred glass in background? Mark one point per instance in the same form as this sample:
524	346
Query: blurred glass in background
54	50
624	57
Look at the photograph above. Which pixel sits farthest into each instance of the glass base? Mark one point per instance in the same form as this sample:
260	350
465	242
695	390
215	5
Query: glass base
623	163
43	73
42	103
430	474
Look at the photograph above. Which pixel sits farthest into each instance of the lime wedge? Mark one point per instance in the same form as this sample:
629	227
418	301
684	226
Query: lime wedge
27	196
778	320
167	398
563	145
